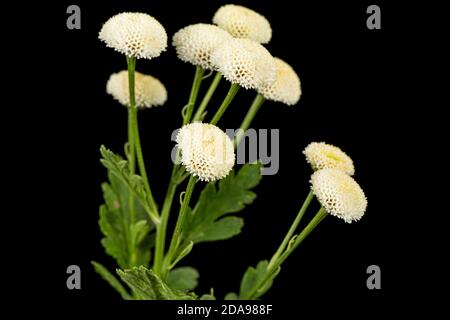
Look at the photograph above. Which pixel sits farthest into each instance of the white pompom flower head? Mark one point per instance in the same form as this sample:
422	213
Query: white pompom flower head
339	194
242	22
136	35
195	43
206	151
286	88
244	62
149	91
321	155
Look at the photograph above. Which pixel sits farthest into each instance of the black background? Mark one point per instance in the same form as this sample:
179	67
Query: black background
349	78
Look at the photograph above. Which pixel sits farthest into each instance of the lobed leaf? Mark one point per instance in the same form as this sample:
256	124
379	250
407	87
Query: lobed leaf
117	166
183	278
205	222
146	285
115	224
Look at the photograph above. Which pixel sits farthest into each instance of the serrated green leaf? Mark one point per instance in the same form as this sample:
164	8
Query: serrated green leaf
116	226
119	167
222	229
204	223
115	241
111	279
148	286
183	278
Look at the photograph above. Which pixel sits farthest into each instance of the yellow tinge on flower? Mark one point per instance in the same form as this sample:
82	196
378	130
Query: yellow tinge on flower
242	22
149	91
206	151
286	88
244	62
195	43
339	194
321	155
136	35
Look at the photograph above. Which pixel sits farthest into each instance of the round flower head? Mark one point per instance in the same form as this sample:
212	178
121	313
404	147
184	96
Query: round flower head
286	87
325	156
244	62
206	151
242	22
195	43
149	91
339	194
136	35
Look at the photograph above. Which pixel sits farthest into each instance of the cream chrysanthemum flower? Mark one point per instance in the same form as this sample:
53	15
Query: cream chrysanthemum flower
339	194
137	35
242	22
195	43
244	62
286	87
321	155
206	151
149	91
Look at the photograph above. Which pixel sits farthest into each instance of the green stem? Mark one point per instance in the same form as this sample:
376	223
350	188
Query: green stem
131	202
132	157
320	215
137	141
207	97
143	171
251	113
194	93
176	237
161	229
131	163
291	231
234	88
